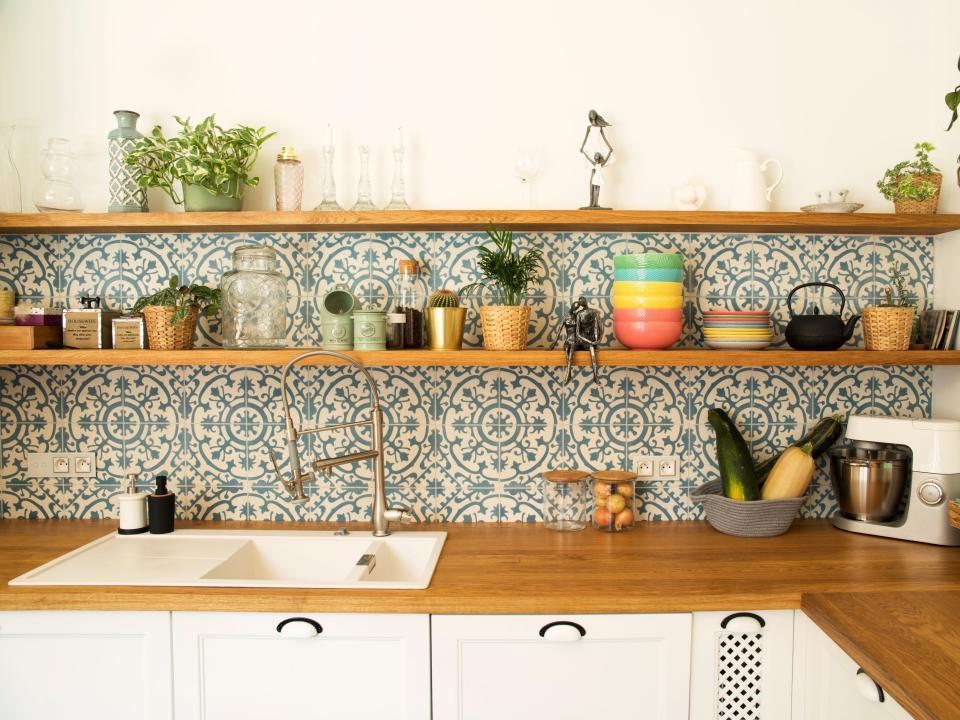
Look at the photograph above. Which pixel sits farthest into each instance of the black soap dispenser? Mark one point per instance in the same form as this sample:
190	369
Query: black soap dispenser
161	504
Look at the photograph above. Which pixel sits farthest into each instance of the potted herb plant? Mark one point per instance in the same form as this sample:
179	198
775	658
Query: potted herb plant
913	186
890	326
506	276
213	165
170	315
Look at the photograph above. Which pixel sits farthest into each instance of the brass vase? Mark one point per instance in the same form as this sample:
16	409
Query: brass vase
445	327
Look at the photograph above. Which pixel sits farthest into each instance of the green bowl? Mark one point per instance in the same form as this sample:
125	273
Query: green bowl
648	260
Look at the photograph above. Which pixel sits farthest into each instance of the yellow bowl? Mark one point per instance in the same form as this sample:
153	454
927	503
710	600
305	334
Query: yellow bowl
626	302
645	288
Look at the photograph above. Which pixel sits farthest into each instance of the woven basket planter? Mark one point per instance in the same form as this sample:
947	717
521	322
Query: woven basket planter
921	207
887	328
164	336
954	510
746	518
505	326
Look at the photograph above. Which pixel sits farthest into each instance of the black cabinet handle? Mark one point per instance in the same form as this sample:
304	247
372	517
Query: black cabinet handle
312	623
558	623
734	616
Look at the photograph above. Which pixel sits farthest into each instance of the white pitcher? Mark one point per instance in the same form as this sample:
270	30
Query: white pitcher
749	190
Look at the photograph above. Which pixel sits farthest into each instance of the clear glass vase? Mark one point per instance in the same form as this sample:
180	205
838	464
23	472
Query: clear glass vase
56	191
10	190
254	312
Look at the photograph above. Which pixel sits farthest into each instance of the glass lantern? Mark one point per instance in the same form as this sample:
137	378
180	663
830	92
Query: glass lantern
564	500
614	497
254	311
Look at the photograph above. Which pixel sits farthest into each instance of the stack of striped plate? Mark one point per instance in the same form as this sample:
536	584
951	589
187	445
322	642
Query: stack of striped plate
737	329
648	299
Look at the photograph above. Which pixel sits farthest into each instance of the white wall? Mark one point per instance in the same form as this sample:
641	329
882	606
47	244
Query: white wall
836	89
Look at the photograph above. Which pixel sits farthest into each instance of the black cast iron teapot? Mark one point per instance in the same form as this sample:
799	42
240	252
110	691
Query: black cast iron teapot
816	331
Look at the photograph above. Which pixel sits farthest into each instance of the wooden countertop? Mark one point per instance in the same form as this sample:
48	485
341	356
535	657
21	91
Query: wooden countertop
523	568
908	642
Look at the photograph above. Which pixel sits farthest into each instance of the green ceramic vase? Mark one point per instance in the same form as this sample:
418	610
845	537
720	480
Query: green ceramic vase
197	198
126	195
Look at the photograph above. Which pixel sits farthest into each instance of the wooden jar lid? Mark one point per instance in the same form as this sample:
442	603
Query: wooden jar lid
614	476
565	476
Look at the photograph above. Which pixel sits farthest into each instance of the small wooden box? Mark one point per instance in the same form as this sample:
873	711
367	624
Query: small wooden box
30	337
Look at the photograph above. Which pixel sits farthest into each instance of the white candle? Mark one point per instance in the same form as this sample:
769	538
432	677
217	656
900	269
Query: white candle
399	144
329	134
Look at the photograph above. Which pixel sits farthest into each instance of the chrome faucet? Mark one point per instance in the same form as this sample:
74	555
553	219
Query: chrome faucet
381	515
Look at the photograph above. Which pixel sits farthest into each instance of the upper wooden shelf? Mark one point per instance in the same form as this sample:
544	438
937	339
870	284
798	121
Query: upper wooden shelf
482	358
588	220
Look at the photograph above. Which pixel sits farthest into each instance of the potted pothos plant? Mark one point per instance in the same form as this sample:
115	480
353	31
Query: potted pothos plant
953	103
213	165
890	326
170	315
913	186
506	276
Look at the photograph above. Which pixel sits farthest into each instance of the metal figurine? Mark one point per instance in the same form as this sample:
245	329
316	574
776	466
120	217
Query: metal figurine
582	329
599	153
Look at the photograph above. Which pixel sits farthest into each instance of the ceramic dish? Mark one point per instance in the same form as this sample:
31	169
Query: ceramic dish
648	301
633	287
648	315
738	344
832	208
649	260
649	274
735	314
647	335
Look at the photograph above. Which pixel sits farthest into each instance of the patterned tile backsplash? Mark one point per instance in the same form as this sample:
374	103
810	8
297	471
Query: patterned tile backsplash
464	444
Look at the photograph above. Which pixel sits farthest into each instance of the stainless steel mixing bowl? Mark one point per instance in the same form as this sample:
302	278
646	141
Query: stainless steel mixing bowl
868	482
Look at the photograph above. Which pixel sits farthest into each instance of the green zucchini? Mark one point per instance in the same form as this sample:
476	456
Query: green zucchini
821	436
733	456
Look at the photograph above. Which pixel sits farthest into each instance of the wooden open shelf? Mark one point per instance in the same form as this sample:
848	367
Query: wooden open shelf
586	220
482	358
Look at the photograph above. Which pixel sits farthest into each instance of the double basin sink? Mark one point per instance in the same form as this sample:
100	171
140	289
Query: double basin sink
238	558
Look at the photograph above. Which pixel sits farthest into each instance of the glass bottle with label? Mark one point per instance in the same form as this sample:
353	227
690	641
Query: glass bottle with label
410	298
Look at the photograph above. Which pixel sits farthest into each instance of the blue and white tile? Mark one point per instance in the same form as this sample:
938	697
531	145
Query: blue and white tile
31	266
722	268
780	263
384	251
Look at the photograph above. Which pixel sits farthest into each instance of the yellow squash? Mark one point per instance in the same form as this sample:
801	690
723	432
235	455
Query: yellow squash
791	475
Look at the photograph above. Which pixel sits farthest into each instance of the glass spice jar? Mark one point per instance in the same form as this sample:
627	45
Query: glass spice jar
396	322
288	179
614	496
411	299
254	312
564	499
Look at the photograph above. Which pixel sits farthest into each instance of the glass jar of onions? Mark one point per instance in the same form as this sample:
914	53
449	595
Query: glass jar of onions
614	495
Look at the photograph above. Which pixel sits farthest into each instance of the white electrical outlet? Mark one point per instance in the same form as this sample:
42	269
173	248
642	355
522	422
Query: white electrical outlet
645	467
61	464
658	467
667	467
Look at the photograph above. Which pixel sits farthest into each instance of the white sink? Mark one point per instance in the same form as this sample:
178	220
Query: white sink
238	558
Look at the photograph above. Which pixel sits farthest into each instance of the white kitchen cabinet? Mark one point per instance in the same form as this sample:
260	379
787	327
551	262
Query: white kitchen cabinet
829	685
742	665
85	665
252	666
561	667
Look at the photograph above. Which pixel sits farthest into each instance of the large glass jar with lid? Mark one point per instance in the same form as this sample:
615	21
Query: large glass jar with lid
410	295
254	312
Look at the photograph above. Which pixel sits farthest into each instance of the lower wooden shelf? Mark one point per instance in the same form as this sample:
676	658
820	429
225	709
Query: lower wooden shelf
483	358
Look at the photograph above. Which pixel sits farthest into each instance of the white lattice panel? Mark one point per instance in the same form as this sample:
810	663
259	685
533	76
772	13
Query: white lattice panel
739	672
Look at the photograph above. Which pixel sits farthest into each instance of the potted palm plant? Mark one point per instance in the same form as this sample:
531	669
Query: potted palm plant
212	165
890	326
170	315
913	186
506	276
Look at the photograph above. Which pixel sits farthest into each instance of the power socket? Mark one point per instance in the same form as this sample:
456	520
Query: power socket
61	464
645	467
658	467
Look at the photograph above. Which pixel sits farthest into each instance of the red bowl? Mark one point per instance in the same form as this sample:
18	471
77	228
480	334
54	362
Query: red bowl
647	314
647	335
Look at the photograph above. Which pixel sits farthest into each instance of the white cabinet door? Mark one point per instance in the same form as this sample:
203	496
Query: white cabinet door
85	665
829	685
742	665
561	667
239	666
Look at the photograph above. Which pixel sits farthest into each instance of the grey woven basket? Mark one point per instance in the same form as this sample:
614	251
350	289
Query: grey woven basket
755	518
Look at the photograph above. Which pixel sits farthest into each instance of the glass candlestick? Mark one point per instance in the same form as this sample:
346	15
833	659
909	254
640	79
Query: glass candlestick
398	200
329	201
364	201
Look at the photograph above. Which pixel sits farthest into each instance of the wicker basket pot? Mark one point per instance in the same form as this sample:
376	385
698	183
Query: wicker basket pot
887	328
164	336
505	326
921	207
746	518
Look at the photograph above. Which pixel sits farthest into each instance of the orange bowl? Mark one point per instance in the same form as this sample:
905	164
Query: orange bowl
647	335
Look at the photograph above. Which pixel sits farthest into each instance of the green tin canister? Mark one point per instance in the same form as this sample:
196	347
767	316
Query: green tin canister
369	330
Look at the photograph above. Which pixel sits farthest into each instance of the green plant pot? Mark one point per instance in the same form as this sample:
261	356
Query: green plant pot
197	198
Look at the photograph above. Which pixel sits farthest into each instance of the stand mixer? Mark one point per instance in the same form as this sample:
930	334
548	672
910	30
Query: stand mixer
895	476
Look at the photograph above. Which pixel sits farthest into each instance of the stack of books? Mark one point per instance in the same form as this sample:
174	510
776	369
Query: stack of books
938	329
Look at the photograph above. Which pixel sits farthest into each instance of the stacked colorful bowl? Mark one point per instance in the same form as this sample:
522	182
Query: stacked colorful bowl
737	329
648	300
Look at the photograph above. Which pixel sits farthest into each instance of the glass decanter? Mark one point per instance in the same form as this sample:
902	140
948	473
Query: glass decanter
364	201
10	190
398	200
56	191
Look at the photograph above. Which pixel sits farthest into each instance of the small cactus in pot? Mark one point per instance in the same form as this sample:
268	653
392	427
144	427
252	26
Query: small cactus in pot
443	299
